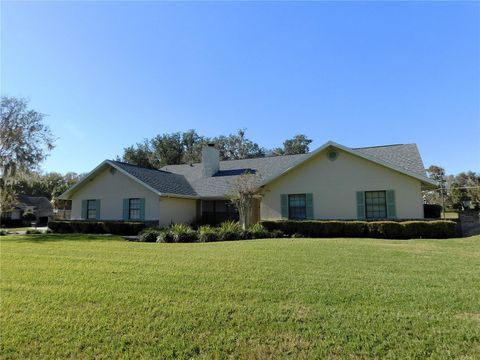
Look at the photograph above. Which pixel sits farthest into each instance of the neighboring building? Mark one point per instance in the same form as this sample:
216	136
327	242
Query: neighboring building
332	182
37	205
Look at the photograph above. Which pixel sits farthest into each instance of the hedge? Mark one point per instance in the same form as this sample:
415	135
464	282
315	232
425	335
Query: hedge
439	229
96	227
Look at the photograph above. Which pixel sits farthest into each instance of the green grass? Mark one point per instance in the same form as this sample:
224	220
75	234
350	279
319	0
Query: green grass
83	296
451	215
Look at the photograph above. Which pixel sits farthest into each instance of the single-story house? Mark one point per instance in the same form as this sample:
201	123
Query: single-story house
37	205
332	182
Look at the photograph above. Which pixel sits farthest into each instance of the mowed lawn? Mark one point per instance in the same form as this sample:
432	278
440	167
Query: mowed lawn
102	297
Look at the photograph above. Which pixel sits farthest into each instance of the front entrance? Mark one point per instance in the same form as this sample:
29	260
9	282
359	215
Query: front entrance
215	212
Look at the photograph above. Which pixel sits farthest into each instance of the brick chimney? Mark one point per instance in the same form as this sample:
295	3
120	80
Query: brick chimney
210	160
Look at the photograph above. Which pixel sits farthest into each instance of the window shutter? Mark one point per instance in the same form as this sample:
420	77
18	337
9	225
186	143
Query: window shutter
142	209
97	207
84	209
309	205
284	205
391	207
125	209
360	205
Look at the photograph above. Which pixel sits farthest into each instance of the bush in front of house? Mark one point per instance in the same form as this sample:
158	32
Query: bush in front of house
149	235
439	229
230	230
206	233
256	231
96	227
165	236
182	233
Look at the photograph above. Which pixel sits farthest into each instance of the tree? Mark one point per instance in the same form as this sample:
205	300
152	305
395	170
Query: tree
186	147
465	187
25	142
139	154
437	196
237	146
299	144
244	191
192	147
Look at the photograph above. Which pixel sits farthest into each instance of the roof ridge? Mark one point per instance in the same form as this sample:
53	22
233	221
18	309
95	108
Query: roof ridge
379	146
142	167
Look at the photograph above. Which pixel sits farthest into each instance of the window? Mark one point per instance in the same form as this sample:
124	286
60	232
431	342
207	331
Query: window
297	207
91	209
134	209
375	204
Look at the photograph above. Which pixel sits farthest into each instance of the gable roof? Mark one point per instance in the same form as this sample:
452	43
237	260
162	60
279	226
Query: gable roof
186	180
406	161
160	182
40	202
164	182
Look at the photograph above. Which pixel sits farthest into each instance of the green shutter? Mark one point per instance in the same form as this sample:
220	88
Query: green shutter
360	205
84	209
391	207
309	205
142	209
97	208
284	205
125	209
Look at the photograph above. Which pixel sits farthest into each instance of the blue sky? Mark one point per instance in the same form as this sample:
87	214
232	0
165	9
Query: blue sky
109	74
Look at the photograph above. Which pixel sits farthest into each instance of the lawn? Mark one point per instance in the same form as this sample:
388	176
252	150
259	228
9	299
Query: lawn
102	297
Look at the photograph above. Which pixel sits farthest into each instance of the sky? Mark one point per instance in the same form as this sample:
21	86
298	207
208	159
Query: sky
109	74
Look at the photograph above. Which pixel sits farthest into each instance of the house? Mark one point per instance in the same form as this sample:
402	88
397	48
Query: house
332	182
39	206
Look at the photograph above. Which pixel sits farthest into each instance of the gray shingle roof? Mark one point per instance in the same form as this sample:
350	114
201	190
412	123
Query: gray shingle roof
162	181
187	179
39	202
219	185
405	156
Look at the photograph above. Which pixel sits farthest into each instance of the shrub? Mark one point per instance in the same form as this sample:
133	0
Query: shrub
378	229
3	232
439	229
257	231
149	235
182	233
386	230
277	234
165	236
207	234
355	229
96	227
230	230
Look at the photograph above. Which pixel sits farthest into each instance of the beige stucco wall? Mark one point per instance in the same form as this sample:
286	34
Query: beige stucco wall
334	185
177	210
111	188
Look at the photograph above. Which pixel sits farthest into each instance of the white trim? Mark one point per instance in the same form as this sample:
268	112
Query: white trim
350	151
